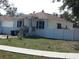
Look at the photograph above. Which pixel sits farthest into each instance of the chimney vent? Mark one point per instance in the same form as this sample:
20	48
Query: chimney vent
42	11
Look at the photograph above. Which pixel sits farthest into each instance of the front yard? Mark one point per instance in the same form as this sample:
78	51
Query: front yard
43	44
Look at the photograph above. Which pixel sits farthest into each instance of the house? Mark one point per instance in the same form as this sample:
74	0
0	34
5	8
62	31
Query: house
51	26
40	24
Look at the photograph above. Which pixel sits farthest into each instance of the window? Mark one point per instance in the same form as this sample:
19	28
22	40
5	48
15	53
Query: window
75	25
59	26
19	23
40	25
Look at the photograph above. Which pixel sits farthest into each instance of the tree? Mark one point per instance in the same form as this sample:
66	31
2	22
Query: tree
20	14
0	14
71	5
11	11
4	4
67	16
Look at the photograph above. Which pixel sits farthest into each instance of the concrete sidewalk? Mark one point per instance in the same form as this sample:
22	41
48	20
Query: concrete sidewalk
5	36
40	53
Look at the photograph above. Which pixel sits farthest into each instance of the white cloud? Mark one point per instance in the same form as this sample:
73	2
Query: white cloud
28	6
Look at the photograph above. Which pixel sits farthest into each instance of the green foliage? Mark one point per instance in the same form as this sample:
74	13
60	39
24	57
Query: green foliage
4	4
20	36
11	10
72	5
0	14
21	32
67	16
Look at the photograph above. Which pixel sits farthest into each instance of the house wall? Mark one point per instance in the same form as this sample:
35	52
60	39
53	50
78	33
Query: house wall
51	31
7	23
15	23
40	32
53	24
26	22
6	26
69	34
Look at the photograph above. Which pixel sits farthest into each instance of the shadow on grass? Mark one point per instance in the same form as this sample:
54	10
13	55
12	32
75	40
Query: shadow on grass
39	37
35	37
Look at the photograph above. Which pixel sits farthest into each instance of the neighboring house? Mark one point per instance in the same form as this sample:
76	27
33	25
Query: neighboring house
41	24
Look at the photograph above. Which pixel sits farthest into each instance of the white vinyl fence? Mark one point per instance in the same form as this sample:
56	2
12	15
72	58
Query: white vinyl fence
66	34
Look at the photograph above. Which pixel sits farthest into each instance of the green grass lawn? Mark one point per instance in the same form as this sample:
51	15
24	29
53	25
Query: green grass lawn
43	44
9	55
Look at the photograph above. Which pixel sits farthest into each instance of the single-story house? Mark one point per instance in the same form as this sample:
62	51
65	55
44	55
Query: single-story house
40	24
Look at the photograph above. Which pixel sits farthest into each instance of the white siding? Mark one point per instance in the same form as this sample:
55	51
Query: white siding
26	22
7	23
53	24
51	30
60	34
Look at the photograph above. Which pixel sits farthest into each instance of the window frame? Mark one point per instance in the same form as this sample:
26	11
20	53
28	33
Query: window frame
19	23
59	26
40	24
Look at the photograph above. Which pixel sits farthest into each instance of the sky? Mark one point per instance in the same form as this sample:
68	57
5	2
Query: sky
28	6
